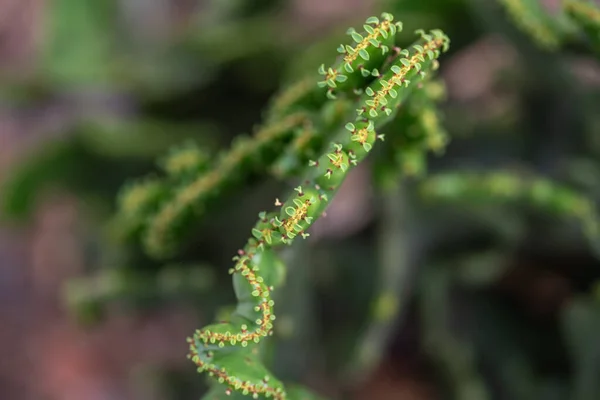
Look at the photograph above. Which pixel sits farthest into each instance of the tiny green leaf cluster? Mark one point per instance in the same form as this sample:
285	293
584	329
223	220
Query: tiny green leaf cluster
162	211
363	91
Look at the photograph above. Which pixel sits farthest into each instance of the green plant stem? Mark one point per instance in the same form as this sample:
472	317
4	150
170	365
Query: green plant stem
392	286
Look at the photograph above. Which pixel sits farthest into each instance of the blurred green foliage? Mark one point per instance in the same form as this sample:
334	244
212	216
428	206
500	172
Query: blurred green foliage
504	296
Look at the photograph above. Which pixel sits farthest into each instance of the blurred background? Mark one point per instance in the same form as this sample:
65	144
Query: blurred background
497	301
